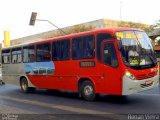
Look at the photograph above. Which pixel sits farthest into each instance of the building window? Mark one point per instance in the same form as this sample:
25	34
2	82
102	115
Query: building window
100	38
16	55
28	54
83	47
6	56
61	50
43	52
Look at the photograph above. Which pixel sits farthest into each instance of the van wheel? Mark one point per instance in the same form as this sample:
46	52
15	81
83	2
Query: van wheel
24	86
87	91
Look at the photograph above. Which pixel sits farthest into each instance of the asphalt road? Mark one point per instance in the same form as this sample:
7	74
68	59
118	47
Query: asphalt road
67	105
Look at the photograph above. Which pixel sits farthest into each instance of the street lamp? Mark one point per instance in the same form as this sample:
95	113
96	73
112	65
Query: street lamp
33	19
121	10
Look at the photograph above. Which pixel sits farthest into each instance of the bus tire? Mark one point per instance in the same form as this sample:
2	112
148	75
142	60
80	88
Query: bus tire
87	91
24	86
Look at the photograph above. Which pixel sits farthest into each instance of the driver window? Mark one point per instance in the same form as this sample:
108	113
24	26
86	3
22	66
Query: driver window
110	57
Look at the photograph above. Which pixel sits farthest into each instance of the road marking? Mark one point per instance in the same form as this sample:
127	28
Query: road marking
4	109
107	115
55	106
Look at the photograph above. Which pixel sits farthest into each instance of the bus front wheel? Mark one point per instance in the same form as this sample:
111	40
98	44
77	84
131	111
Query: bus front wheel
87	91
24	86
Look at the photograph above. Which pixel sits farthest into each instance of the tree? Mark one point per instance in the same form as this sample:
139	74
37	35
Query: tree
75	29
70	30
144	27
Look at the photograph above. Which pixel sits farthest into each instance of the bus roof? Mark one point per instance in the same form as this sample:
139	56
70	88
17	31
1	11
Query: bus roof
109	30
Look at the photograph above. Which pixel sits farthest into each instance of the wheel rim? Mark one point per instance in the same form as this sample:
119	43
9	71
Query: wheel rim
24	86
88	90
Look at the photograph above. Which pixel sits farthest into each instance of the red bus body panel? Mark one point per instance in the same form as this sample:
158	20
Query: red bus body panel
106	79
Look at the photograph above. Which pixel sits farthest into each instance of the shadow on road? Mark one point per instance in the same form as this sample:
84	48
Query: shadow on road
69	96
57	93
114	99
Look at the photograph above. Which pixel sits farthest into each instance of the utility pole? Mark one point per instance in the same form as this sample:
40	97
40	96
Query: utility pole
121	10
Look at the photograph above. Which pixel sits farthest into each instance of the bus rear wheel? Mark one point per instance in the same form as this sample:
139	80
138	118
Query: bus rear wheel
87	91
24	86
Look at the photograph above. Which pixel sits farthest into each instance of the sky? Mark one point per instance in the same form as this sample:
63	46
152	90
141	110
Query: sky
15	14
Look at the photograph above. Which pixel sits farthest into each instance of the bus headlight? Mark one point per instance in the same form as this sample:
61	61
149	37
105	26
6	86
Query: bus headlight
130	75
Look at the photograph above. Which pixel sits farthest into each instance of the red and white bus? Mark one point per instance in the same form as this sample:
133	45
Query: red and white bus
117	61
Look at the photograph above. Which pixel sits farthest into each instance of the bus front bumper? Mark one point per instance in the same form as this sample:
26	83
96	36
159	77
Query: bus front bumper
130	86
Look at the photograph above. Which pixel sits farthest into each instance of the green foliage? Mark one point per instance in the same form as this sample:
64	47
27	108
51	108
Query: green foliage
70	30
75	29
144	27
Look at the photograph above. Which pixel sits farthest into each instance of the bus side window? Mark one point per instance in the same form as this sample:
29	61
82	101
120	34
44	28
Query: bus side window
19	55
28	54
56	50
16	55
61	50
65	49
6	56
88	42
43	52
83	47
100	38
77	48
110	57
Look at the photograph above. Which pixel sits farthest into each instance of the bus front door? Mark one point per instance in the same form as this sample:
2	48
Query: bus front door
111	68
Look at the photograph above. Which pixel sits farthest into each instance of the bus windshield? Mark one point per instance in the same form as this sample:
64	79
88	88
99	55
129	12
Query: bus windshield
136	49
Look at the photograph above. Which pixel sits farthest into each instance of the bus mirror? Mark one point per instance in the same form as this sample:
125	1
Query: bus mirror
119	44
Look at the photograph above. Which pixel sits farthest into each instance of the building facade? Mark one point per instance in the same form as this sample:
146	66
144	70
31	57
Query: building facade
101	23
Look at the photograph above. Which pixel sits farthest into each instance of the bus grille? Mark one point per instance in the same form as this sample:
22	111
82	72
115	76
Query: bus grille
145	76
